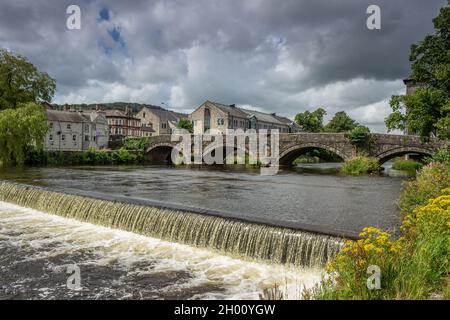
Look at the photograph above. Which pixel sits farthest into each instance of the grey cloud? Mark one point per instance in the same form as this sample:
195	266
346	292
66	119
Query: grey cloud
283	56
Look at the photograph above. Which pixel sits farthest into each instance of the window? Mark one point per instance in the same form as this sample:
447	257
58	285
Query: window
50	137
51	125
86	128
164	125
69	126
86	138
63	137
143	115
74	137
220	121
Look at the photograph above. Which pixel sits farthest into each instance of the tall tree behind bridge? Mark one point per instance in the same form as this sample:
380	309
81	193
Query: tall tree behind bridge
311	121
427	111
341	122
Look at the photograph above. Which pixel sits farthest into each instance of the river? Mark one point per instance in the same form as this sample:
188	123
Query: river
36	247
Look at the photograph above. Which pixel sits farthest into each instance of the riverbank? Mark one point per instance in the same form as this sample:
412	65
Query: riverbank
413	266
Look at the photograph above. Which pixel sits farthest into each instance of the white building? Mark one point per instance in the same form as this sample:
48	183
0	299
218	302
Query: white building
76	131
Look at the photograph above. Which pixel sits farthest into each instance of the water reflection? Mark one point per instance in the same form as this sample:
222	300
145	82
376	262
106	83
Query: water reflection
294	196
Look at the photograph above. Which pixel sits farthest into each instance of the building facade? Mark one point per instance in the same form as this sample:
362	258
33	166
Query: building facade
122	124
162	121
75	131
221	117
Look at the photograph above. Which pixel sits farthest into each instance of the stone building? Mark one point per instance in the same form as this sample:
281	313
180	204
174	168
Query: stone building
411	86
75	131
122	124
213	115
162	121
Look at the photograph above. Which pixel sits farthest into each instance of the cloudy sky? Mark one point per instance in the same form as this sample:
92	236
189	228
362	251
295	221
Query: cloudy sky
283	56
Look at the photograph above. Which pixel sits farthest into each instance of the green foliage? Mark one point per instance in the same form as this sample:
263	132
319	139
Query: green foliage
122	156
426	111
341	122
408	165
20	130
414	266
186	124
22	82
359	136
442	156
132	143
428	184
317	155
311	121
360	165
90	157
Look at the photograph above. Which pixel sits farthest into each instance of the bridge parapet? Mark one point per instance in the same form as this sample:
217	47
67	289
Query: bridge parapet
383	146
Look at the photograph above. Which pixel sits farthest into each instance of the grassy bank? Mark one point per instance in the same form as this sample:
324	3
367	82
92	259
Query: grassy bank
360	165
408	165
412	266
89	157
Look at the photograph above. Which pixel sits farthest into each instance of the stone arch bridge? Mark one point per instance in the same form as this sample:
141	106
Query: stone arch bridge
292	145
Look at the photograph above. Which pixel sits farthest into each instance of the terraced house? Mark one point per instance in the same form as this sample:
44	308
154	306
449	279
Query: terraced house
76	131
122	124
214	115
160	120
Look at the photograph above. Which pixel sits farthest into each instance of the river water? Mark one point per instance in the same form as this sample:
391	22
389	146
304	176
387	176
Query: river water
36	248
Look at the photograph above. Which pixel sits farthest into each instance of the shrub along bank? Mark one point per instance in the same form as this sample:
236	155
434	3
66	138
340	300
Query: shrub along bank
360	165
89	157
412	266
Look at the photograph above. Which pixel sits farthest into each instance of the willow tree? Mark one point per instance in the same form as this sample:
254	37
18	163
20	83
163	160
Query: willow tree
21	129
427	110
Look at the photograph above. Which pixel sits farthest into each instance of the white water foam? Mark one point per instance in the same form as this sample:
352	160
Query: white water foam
49	235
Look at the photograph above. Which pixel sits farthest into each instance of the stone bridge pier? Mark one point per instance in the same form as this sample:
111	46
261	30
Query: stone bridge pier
291	145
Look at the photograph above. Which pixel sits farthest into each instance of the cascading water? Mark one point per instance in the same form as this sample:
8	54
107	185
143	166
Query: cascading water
229	236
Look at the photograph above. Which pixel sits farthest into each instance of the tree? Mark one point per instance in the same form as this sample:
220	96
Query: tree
185	124
359	136
426	111
21	129
341	122
22	82
311	121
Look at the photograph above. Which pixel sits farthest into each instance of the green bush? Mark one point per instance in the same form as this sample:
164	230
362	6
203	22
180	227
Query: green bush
89	157
442	156
131	143
360	165
306	159
409	165
428	184
359	136
414	266
123	156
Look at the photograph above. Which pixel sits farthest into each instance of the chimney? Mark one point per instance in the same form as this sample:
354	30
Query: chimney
66	107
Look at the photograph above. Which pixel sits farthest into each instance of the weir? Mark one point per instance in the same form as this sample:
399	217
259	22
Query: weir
238	238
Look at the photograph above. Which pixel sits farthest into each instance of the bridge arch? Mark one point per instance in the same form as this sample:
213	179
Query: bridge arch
228	150
160	152
287	156
401	151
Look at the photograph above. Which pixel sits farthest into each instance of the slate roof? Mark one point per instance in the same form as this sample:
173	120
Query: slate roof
65	116
168	115
118	114
245	113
